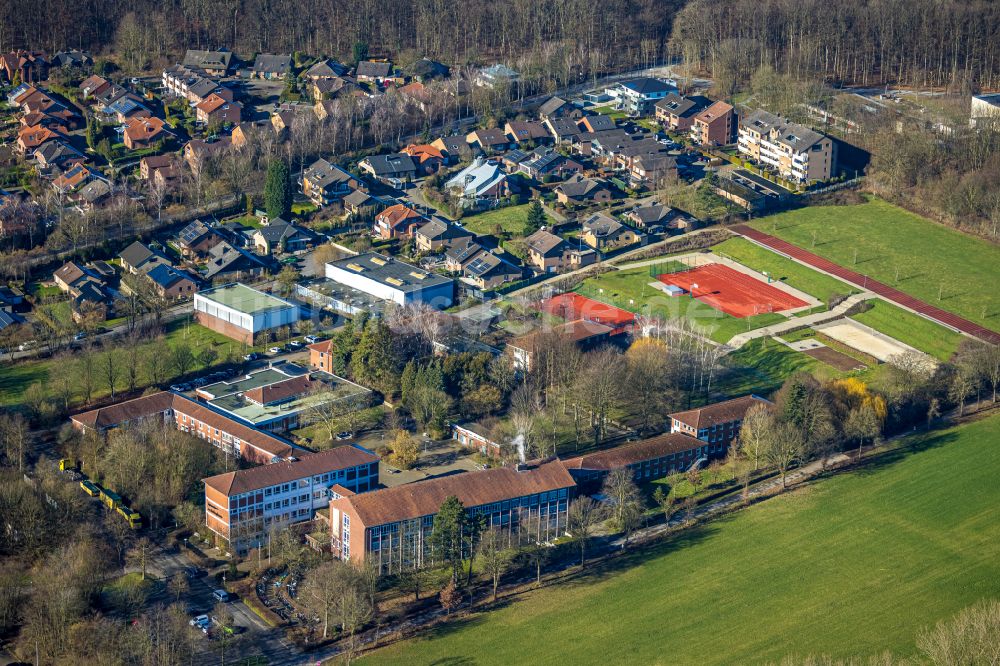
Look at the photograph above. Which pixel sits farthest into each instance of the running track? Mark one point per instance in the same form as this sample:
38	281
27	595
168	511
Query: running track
860	280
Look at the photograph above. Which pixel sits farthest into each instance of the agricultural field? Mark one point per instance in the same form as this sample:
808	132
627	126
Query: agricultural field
792	273
629	289
512	219
944	267
854	565
911	329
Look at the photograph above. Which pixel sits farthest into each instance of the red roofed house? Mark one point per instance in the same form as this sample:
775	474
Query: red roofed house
29	139
320	356
215	110
399	221
143	132
427	158
718	423
392	526
715	126
241	507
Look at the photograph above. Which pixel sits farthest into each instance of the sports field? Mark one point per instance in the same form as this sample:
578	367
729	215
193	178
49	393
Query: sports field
630	290
945	268
737	294
855	565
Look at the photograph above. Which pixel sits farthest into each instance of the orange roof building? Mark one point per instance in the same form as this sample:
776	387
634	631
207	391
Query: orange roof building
142	132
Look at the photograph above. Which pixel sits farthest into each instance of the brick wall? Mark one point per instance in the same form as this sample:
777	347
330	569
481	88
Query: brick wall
224	327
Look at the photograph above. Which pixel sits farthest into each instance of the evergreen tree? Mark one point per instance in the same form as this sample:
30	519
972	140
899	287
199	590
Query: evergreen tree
408	380
373	363
536	217
360	52
448	534
278	190
93	134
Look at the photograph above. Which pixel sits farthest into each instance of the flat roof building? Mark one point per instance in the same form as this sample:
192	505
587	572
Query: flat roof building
392	280
241	312
242	506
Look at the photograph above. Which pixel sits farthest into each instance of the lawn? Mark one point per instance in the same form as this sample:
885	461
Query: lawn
629	289
762	365
513	220
855	565
794	274
16	378
610	111
914	330
930	259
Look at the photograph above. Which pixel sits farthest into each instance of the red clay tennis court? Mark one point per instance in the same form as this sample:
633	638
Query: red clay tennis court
735	293
572	306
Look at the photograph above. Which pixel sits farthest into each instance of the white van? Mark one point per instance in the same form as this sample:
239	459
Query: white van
221	595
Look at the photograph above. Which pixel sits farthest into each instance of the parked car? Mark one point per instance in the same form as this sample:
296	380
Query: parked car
275	350
79	336
295	344
344	435
193	572
311	339
252	356
199	382
200	621
221	595
180	388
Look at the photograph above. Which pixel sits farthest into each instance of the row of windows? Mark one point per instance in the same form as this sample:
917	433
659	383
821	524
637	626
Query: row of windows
351	474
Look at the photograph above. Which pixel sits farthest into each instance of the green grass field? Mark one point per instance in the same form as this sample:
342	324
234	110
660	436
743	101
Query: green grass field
16	378
629	289
911	329
762	365
794	274
930	259
855	565
512	219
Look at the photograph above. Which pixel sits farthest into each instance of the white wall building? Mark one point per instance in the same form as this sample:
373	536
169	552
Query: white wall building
392	280
241	312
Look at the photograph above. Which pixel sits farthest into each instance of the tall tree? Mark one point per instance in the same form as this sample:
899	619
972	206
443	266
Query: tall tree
278	189
584	516
448	534
494	557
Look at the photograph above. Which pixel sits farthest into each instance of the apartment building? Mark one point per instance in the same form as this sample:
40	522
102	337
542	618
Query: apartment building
795	152
242	506
393	525
714	126
718	423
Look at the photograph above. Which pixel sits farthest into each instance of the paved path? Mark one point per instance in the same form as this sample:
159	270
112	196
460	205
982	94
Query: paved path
798	322
885	291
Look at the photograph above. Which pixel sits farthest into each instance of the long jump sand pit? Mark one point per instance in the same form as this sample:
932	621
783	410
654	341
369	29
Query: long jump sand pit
860	337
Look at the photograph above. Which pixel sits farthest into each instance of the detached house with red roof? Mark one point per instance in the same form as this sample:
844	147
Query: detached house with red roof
143	132
399	221
427	158
215	111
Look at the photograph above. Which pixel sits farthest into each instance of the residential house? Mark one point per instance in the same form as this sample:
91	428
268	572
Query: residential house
796	152
138	257
126	107
654	217
718	423
267	66
638	96
93	85
198	238
496	74
98	191
489	270
56	154
652	168
419	93
325	183
426	69
391	527
72	274
489	140
30	139
283	236
27	66
148	166
480	181
455	148
359	202
395	168
172	283
72	58
550	253
105	98
557	107
228	262
399	221
526	131
216	111
439	234
326	68
459	254
283	119
74	178
427	158
376	71
213	63
563	130
676	112
196	151
144	132
582	190
331	88
596	123
604	233
714	126
320	356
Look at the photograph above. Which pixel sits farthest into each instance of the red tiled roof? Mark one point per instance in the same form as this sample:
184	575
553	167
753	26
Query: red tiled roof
647	449
720	412
322	346
143	129
424	498
123	412
577	331
245	480
265	395
396	215
423	152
